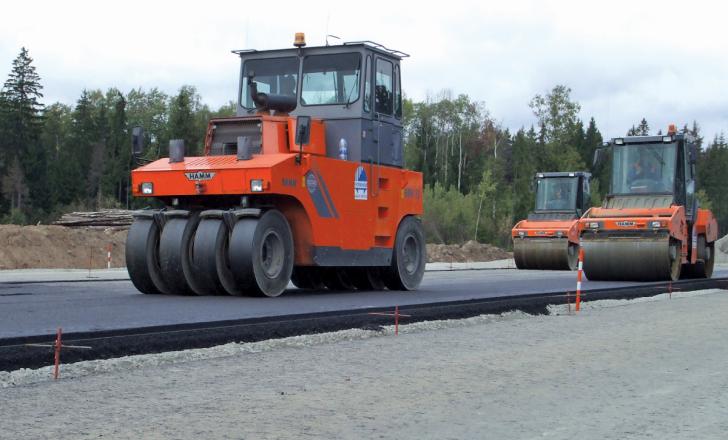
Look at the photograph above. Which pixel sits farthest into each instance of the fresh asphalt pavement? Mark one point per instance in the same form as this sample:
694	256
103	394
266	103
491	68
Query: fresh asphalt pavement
38	307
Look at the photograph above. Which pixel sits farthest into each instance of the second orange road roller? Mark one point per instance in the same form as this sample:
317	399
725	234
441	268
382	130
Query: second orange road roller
549	238
650	225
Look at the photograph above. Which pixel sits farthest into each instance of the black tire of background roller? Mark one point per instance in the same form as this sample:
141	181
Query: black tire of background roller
142	256
701	269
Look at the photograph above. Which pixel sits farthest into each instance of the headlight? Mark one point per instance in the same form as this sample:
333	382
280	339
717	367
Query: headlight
147	188
656	224
256	185
594	225
521	234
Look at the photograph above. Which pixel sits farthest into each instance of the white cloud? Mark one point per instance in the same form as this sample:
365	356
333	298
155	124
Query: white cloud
624	60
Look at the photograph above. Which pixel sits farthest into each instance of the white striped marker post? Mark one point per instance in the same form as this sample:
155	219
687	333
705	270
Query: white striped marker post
108	256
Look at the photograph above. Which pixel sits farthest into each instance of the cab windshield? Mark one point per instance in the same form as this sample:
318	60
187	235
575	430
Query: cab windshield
556	194
273	75
644	168
330	79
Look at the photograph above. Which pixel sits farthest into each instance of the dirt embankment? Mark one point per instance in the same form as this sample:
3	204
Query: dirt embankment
46	247
471	251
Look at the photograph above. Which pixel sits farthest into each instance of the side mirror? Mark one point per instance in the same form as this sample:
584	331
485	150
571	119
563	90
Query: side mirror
303	130
137	141
303	134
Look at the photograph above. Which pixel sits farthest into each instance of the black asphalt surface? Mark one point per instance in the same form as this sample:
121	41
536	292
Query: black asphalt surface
35	309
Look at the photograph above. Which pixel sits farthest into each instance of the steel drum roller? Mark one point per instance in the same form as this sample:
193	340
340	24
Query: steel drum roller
631	259
545	253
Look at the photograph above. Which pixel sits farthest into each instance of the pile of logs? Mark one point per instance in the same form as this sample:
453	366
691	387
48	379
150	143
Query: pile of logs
104	218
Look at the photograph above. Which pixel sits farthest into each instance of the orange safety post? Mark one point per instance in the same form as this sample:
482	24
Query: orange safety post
578	279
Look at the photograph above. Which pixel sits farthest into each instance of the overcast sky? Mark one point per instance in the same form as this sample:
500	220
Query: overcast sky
666	61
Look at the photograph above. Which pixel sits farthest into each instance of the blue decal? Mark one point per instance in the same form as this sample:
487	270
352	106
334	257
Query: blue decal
360	184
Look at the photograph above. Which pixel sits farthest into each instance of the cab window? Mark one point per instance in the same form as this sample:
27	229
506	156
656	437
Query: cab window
383	87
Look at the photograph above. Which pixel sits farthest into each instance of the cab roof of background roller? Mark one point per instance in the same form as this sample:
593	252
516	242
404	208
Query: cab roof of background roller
371	45
563	174
666	139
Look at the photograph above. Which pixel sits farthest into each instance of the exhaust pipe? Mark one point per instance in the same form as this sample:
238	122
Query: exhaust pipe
176	150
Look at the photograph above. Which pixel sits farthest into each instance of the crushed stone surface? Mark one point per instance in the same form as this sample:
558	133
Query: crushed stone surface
618	370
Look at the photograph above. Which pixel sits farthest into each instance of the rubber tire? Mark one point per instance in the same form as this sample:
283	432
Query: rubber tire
142	257
175	255
210	257
701	269
397	276
246	251
676	265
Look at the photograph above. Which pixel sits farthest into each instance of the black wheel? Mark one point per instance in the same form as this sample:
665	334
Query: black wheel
261	253
210	257
175	255
408	256
142	256
675	260
703	268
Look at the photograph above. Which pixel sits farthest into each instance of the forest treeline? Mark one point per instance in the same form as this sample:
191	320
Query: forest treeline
478	174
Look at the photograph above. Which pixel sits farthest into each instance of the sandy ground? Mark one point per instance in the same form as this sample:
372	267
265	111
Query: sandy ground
653	368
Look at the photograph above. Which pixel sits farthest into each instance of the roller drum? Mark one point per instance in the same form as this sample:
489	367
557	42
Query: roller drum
545	253
632	259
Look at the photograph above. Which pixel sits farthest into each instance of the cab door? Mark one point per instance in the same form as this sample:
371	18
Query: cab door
387	127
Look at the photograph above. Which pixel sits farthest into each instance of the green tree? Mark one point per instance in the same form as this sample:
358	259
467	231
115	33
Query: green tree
183	123
21	111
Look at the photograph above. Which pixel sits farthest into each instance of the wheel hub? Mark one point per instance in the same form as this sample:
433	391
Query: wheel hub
411	254
272	254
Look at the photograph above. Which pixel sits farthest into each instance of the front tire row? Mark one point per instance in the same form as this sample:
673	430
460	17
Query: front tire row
219	253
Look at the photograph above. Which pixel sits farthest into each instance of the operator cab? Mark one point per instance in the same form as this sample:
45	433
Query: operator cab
355	88
561	196
653	172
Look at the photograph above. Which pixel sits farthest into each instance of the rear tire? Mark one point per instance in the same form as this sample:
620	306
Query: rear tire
408	256
142	256
261	253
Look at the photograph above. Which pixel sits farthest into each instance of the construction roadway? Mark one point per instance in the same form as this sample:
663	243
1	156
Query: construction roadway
118	320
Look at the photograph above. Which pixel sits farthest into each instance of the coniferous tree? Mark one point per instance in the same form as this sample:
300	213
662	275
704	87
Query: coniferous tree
21	111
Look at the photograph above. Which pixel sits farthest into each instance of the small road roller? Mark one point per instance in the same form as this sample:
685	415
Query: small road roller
650	227
305	184
549	238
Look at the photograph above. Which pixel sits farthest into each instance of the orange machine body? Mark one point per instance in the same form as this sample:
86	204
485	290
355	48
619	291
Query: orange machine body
337	209
547	229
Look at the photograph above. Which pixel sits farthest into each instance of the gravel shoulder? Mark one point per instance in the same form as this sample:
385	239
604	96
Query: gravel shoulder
650	368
